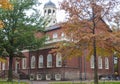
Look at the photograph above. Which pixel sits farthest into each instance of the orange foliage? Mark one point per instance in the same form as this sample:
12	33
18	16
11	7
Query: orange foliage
5	4
80	30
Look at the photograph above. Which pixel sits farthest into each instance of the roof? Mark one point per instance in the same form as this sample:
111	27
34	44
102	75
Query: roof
49	4
52	27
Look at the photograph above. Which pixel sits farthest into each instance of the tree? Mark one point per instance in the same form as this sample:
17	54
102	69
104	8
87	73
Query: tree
19	29
5	4
86	29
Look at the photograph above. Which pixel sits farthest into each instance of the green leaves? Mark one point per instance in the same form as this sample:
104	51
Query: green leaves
19	29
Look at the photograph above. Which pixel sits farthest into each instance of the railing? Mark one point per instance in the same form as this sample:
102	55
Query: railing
4	74
56	40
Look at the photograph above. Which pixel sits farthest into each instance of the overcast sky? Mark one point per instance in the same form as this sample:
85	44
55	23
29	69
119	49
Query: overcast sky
60	13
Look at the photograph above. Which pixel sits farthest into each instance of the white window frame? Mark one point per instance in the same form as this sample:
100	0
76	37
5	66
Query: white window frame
48	76
40	62
39	77
48	38
3	66
49	60
58	60
33	60
100	62
24	63
58	76
55	35
0	65
62	35
106	63
92	62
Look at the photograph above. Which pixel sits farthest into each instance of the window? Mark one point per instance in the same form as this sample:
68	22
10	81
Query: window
32	76
45	11
53	21
58	60
57	76
33	62
40	64
0	65
55	35
62	35
53	11
24	62
92	61
99	62
49	60
48	76
48	38
3	66
49	11
106	63
39	77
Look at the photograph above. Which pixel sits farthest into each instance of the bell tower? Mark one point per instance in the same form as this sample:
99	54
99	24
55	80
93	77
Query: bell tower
50	13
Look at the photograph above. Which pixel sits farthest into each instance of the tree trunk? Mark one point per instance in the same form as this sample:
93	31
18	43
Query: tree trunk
10	75
95	53
95	63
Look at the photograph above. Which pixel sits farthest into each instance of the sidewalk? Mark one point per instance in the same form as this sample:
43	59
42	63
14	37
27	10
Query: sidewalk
76	81
48	82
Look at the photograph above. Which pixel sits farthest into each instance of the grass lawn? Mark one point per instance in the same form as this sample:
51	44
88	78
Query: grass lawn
14	82
87	83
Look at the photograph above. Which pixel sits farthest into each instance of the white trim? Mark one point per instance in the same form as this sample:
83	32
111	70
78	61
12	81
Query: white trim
23	51
56	40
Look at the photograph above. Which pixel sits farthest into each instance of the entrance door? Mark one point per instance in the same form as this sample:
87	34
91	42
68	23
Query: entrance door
16	67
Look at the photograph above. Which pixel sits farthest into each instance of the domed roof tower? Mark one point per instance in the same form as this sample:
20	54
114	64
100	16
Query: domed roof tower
50	13
50	4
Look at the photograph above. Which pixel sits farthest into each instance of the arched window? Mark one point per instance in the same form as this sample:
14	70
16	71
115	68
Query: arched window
49	11
45	11
48	38
24	62
40	64
33	62
55	35
58	60
106	63
99	62
49	60
92	61
62	35
53	12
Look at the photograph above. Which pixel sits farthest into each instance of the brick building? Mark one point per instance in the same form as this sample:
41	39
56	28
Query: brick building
44	65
